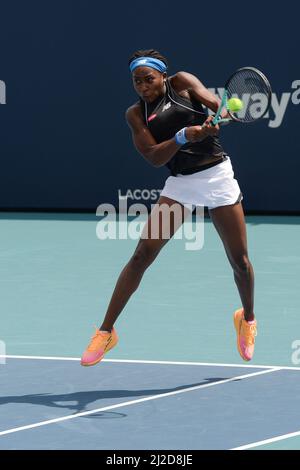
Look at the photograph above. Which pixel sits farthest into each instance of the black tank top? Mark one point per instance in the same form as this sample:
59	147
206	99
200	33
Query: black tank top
170	113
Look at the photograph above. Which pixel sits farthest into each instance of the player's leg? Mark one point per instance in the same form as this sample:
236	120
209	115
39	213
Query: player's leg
164	220
160	228
230	224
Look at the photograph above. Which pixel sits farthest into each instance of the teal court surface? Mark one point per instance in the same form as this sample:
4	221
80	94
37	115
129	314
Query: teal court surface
175	379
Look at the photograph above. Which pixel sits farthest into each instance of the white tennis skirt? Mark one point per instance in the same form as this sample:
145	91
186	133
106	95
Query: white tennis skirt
212	188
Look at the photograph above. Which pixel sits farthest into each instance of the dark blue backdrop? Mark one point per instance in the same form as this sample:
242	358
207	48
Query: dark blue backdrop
64	141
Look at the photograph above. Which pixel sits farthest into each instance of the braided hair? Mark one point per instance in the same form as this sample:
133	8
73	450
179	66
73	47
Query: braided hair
148	53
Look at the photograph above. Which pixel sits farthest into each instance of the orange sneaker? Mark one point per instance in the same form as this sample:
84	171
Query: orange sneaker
246	333
100	344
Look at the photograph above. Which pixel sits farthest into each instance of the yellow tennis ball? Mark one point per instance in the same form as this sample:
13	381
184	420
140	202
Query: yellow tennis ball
235	104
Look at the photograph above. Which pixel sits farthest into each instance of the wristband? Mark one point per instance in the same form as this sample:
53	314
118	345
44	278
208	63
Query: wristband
180	137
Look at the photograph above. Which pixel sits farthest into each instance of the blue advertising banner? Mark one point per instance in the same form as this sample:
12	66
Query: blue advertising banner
65	87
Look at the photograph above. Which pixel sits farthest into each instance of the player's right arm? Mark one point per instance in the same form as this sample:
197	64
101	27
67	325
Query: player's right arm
159	154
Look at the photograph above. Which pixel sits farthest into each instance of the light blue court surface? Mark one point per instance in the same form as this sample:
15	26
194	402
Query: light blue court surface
56	279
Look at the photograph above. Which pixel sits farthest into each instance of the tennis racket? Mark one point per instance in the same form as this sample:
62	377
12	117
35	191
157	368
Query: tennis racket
254	94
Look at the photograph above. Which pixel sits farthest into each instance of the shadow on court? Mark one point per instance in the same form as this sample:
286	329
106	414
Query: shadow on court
79	401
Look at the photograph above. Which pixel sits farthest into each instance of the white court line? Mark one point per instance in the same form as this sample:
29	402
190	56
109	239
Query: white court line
134	402
214	364
138	361
267	441
46	358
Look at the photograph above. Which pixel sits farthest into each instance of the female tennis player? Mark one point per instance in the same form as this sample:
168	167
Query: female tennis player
170	127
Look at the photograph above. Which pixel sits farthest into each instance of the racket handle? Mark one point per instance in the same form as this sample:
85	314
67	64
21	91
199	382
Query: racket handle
215	120
217	117
219	120
223	120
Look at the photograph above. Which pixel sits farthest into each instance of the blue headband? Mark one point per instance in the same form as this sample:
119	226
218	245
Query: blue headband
148	62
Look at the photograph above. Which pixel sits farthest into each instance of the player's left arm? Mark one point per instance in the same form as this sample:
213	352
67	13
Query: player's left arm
186	81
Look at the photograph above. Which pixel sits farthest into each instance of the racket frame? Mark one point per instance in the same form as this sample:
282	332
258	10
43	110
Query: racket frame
224	102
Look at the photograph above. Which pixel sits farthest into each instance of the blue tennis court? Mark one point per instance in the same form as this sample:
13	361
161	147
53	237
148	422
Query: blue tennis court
144	405
161	387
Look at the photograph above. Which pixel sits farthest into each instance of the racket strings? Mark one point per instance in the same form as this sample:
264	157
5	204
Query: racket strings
253	90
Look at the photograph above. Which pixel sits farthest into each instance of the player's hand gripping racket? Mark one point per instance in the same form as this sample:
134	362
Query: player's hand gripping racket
247	97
